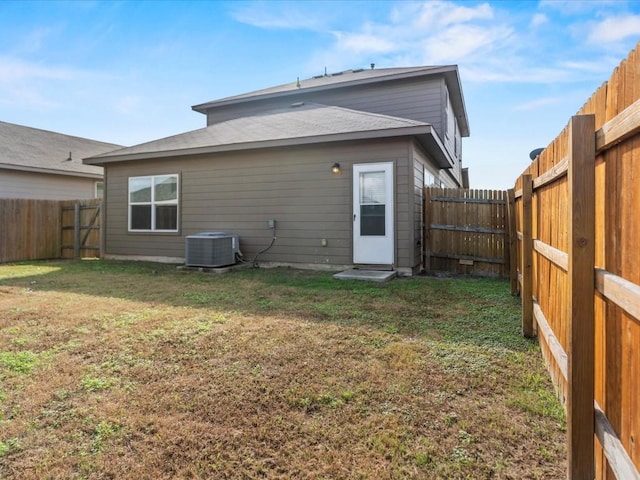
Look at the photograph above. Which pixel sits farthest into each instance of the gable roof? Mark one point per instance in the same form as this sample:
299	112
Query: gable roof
300	124
350	78
32	149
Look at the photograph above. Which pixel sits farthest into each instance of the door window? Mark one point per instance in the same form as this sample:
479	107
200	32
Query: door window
372	203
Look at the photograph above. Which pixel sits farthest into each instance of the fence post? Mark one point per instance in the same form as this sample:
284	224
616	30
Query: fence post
512	238
426	214
76	230
527	257
581	285
101	232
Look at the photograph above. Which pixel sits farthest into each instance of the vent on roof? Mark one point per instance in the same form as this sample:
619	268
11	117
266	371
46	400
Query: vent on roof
211	249
358	70
318	76
296	104
336	74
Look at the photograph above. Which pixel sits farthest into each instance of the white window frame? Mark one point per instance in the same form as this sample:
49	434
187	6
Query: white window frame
429	175
153	203
446	112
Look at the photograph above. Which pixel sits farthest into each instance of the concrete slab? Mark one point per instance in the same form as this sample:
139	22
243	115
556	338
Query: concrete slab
371	275
215	270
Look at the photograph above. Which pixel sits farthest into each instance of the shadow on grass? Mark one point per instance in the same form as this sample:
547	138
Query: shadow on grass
477	312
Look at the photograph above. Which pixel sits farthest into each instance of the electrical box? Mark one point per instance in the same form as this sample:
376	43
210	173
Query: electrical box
272	223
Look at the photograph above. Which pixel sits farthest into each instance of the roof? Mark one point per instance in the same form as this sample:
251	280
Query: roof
299	124
350	78
31	149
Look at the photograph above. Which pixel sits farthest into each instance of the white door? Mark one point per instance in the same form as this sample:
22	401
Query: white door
373	233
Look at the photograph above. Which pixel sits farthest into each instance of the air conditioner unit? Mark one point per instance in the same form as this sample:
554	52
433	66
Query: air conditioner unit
211	249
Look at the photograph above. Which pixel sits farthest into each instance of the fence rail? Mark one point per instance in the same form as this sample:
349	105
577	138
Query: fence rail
43	229
466	231
576	215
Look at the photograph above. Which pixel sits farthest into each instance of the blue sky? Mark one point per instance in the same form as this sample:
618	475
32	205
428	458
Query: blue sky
128	72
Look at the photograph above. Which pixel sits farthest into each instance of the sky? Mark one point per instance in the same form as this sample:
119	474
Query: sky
127	72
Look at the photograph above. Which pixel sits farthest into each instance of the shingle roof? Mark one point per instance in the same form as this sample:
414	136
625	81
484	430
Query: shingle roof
26	148
318	82
296	125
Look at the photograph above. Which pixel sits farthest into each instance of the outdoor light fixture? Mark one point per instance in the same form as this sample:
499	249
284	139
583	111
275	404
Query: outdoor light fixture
335	168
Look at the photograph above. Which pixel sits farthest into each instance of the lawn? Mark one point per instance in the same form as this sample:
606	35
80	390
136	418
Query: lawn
138	370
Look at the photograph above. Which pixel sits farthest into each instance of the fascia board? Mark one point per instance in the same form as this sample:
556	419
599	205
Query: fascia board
433	145
50	171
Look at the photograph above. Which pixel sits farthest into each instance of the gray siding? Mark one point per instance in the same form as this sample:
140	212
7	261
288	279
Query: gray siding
450	135
419	164
238	192
416	99
35	185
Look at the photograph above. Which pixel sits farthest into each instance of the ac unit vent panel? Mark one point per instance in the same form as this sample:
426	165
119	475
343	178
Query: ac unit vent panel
211	249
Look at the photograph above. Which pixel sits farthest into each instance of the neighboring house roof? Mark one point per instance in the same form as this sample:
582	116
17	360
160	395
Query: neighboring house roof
31	149
349	78
300	124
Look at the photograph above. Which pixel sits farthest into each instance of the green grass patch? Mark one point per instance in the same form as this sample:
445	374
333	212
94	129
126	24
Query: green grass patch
9	446
18	362
94	384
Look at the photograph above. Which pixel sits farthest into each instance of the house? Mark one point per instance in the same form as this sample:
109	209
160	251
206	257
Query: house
45	165
338	161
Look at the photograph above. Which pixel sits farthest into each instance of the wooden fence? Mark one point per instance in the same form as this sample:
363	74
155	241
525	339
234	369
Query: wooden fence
80	228
578	269
43	229
466	231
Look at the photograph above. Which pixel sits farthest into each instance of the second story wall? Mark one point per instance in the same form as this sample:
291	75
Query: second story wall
417	99
424	99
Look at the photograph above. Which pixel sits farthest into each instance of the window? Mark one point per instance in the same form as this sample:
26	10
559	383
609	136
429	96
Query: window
153	203
372	203
449	117
99	190
430	180
446	113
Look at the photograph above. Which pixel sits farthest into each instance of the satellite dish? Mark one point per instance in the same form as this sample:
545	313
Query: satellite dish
535	153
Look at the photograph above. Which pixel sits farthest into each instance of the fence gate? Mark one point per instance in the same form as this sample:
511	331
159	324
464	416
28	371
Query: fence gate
80	223
466	231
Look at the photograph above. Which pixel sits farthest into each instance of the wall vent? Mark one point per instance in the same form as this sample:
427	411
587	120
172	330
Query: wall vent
211	249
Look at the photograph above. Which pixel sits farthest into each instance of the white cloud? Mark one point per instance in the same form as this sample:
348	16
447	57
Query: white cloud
35	85
538	104
363	43
597	65
285	16
515	73
459	42
576	7
490	43
19	71
438	14
538	20
26	98
428	32
614	29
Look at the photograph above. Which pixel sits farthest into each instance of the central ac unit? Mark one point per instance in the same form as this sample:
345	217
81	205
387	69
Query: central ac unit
211	249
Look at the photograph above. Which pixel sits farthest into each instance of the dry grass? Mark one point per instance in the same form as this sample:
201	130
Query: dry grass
115	370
